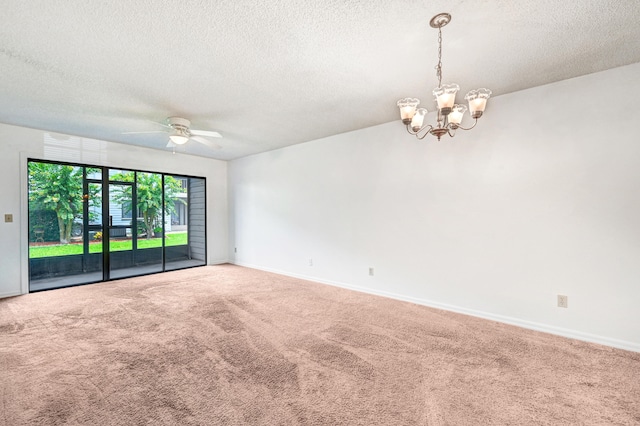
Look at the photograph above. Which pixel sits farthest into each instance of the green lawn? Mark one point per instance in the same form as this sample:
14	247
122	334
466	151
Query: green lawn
176	239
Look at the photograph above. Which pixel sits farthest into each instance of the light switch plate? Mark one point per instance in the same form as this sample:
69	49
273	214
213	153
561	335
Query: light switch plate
8	218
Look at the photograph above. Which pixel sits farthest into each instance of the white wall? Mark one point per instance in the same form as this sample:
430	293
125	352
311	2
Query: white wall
19	143
541	199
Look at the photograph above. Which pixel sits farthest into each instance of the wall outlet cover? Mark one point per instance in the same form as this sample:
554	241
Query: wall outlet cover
563	301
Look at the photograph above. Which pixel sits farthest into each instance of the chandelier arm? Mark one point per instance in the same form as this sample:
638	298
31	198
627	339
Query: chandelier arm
450	133
428	129
468	128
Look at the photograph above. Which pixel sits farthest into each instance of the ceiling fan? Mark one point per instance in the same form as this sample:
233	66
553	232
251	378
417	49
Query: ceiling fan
180	132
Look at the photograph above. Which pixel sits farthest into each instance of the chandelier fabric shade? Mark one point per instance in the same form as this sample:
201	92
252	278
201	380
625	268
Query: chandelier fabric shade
450	114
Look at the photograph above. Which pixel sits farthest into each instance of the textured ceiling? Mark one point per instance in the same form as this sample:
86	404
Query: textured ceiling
275	73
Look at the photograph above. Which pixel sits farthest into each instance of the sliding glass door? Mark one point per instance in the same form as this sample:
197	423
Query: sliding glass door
90	224
135	223
63	248
185	222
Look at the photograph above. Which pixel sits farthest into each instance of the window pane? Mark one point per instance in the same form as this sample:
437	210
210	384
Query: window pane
119	196
94	173
95	203
59	255
184	217
121	175
55	209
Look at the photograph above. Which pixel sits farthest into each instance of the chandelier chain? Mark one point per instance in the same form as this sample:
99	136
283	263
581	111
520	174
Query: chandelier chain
439	66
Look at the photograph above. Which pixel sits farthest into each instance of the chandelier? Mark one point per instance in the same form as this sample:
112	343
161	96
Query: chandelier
449	113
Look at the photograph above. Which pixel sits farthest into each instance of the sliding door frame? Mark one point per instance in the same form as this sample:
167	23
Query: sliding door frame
106	222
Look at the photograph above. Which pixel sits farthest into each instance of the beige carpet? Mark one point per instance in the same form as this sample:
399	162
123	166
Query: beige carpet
225	345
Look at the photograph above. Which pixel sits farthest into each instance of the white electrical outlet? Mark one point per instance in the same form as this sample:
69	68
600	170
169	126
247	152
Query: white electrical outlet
563	301
310	262
371	271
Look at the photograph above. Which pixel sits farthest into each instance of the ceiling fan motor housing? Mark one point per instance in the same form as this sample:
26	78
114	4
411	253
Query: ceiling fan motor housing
181	133
179	124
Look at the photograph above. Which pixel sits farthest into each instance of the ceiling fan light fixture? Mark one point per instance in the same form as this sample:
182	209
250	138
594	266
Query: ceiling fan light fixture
178	138
179	133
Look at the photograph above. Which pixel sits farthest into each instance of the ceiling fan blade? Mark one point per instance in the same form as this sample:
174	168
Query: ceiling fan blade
141	133
206	133
165	125
206	142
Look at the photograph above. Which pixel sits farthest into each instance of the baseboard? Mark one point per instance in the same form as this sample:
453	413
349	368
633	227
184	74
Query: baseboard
10	294
564	332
